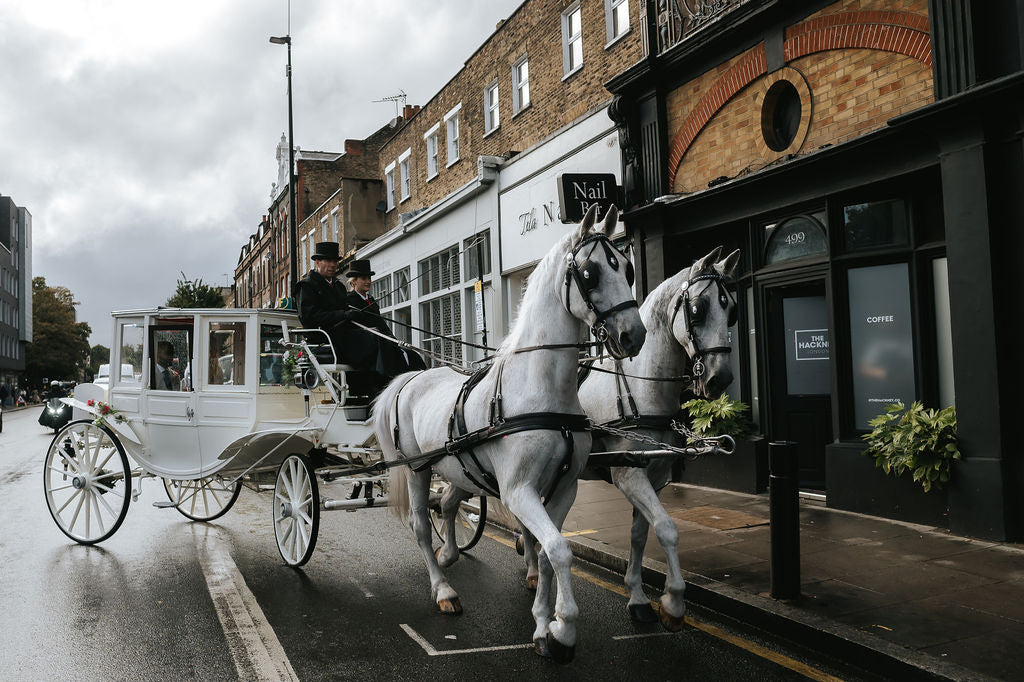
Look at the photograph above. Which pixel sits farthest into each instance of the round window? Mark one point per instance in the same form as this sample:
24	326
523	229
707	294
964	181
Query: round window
780	115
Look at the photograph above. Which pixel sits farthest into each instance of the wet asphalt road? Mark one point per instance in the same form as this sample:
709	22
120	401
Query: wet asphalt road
166	598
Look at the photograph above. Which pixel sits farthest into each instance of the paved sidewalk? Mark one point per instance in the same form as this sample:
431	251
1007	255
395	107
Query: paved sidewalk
900	599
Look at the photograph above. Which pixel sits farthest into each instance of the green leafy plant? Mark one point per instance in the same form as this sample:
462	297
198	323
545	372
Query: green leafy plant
918	440
719	417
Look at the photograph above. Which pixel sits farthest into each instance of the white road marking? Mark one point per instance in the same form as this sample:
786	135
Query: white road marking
431	651
257	653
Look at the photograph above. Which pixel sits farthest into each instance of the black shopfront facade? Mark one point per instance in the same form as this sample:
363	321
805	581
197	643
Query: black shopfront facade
881	268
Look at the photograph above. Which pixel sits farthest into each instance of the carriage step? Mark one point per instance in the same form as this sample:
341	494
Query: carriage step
163	504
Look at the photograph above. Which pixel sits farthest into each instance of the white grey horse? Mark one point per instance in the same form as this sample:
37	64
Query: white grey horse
687	319
528	400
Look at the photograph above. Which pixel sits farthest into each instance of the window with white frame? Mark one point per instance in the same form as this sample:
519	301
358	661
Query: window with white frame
380	290
491	118
451	125
334	226
325	236
431	139
439	271
389	184
401	292
406	177
572	39
442	319
616	18
520	84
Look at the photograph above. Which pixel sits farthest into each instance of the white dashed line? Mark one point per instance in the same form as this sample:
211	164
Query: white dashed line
431	651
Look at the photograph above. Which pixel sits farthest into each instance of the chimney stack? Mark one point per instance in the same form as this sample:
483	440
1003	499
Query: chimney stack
410	110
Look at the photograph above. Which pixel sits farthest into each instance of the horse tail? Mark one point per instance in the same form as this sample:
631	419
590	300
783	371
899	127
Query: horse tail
383	408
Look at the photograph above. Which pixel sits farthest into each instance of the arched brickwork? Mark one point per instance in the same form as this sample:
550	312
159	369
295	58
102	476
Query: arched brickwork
902	32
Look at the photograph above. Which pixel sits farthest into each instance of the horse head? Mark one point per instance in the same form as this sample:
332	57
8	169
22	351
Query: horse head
701	314
603	293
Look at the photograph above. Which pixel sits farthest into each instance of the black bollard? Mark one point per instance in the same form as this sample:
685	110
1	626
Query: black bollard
784	509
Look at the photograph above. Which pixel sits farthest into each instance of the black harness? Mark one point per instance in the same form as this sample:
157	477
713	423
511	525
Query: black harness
694	316
461	441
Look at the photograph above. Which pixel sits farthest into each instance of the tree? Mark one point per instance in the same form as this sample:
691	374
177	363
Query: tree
60	345
98	355
195	294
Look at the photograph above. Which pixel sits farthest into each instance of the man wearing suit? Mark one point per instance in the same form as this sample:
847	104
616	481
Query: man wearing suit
165	378
321	297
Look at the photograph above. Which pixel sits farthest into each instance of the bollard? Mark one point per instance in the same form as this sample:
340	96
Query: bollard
784	510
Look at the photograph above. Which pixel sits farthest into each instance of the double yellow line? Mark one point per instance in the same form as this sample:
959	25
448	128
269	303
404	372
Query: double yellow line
756	649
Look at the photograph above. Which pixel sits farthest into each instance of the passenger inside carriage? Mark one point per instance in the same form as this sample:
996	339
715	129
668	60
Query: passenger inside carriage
324	302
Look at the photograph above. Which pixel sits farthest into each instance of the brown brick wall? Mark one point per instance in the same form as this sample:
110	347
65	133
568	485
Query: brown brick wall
535	30
862	65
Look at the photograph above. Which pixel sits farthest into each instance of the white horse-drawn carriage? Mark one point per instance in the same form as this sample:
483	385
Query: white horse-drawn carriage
229	415
210	407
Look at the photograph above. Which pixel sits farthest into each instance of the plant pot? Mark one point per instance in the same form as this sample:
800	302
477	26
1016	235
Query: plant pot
854	483
745	470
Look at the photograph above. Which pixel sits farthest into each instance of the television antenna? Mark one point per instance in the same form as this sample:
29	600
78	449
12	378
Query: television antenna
401	97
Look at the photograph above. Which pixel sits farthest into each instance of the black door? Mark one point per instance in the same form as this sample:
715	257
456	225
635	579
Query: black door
800	376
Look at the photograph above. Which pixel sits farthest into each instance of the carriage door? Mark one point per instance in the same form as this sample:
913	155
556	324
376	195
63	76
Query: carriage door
170	399
799	353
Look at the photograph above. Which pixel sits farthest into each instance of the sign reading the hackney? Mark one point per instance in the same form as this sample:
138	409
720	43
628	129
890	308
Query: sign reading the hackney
577	192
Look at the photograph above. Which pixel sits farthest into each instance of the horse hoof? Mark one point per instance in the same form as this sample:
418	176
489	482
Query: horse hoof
670	622
560	653
531	583
450	607
520	544
540	646
642	613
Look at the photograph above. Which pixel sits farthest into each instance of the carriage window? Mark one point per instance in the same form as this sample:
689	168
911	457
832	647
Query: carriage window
227	354
880	223
801	236
170	359
272	356
131	335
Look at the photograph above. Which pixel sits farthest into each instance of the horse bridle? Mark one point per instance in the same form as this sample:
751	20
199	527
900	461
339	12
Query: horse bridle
697	366
587	278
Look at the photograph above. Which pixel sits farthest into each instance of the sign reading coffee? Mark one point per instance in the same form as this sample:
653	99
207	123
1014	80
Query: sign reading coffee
577	192
881	340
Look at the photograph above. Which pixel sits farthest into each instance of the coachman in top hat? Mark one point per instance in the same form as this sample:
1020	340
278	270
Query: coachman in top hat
324	302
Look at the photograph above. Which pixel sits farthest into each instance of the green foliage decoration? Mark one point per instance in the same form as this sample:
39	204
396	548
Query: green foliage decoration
719	417
921	441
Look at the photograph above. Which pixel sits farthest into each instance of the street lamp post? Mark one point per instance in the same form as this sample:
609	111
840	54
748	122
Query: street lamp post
292	228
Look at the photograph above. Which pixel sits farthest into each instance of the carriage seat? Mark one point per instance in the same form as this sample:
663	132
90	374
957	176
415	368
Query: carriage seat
360	381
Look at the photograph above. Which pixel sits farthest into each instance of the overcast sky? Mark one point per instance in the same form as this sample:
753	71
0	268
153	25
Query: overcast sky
141	136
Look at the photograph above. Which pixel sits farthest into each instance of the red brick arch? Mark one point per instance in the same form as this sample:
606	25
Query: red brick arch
902	32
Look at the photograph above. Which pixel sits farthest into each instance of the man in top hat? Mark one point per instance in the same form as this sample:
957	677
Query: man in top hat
320	296
370	350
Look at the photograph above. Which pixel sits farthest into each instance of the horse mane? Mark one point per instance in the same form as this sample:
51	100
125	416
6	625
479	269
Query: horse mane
553	259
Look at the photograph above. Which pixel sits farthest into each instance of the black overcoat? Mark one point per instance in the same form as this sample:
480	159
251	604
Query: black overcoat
372	351
322	304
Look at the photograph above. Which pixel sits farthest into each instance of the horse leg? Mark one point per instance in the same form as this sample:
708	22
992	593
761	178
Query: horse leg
639	606
448	553
638	490
530	556
555	638
419	494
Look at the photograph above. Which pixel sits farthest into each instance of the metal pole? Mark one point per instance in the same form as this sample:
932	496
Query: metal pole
784	510
292	226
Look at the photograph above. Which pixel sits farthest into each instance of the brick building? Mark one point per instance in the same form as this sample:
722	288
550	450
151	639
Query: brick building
866	157
15	289
480	160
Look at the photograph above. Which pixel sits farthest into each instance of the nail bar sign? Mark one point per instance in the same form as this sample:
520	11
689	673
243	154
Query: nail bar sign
577	192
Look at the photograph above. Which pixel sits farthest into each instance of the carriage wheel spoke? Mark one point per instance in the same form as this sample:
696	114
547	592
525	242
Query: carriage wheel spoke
69	500
109	490
110	510
107	458
99	515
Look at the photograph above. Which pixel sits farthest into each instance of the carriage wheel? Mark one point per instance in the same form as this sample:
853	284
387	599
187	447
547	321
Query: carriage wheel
296	510
469	521
87	482
203	499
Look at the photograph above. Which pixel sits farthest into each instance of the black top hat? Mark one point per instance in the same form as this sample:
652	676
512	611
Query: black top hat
360	268
327	250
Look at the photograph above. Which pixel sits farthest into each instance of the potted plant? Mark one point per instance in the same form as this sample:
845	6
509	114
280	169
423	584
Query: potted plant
917	440
746	469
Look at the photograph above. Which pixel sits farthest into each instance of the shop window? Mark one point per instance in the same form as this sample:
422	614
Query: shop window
943	332
881	340
440	271
477	255
442	317
403	324
878	223
401	283
801	236
380	290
